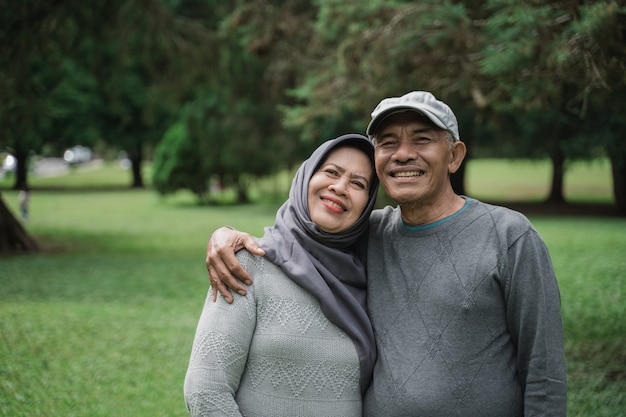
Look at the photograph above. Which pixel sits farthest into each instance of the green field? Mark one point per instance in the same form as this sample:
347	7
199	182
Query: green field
100	323
523	180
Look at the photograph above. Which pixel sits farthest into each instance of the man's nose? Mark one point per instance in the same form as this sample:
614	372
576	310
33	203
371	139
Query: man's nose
405	151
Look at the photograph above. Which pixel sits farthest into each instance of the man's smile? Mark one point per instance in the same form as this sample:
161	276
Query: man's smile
406	174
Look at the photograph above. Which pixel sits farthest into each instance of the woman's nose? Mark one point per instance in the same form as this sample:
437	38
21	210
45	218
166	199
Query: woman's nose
340	185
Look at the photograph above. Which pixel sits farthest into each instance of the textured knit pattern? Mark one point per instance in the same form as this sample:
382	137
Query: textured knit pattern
466	314
271	353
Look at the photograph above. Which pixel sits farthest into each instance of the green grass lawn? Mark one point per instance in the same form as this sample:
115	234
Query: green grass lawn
524	180
100	323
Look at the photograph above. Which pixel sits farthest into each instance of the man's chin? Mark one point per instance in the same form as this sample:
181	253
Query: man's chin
403	198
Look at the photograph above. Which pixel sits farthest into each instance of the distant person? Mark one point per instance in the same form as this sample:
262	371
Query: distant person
300	342
462	295
23	198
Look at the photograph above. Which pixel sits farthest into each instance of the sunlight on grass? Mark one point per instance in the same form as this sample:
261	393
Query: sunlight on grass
524	180
122	218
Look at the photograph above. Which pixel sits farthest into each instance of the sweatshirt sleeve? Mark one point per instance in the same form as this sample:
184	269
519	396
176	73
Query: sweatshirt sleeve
219	354
534	320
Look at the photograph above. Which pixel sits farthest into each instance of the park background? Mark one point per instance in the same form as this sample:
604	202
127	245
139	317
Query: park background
196	114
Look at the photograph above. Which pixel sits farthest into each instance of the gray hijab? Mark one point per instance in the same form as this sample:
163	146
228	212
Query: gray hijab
326	264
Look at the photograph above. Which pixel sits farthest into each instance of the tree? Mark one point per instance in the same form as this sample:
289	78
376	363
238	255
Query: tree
288	74
180	162
46	94
149	58
233	116
594	57
51	79
73	72
536	64
531	84
34	37
381	49
226	132
13	237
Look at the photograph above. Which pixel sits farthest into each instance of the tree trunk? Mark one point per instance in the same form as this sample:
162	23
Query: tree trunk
21	170
558	173
242	185
136	158
618	169
13	237
136	170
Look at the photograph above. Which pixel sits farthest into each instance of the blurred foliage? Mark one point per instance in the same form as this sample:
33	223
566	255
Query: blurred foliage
256	84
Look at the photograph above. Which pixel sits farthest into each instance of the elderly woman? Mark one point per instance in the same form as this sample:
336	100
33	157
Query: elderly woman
299	343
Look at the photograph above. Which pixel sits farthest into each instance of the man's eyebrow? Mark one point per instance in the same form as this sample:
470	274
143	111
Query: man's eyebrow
427	129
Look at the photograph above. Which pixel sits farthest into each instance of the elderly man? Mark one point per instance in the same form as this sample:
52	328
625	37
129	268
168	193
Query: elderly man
462	295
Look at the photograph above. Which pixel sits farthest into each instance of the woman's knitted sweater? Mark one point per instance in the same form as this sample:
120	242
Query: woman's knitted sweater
271	353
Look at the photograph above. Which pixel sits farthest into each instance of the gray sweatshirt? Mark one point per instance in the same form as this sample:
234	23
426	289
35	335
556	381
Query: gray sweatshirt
466	313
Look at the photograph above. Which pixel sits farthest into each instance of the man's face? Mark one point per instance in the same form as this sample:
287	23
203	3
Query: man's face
413	158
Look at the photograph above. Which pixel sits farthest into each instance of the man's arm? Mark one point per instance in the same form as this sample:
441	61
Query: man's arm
533	310
225	271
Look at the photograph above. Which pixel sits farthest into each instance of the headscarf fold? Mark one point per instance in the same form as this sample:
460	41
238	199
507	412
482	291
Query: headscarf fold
326	264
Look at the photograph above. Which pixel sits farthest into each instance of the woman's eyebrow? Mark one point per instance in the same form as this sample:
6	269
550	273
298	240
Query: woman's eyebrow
343	171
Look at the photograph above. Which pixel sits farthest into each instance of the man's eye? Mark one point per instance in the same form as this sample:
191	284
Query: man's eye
386	143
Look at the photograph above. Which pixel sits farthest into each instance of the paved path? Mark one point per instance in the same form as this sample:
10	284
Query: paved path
56	167
51	167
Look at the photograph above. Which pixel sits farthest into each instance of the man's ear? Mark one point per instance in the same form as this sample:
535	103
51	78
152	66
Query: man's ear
458	151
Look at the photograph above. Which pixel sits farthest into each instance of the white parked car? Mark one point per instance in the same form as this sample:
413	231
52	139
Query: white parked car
77	155
9	163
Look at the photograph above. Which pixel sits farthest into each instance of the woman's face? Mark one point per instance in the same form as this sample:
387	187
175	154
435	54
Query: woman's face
339	189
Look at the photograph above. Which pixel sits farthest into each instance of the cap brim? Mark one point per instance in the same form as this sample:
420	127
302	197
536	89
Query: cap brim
373	125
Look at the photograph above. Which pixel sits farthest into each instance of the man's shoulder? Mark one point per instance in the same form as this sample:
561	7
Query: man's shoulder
509	224
382	216
501	214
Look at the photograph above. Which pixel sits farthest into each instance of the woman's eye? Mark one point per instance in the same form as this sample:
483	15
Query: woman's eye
359	185
332	172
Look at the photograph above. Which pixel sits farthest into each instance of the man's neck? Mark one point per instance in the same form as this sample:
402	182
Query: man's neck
420	213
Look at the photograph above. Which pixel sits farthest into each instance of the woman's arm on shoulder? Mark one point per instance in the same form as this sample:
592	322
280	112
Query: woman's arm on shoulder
225	271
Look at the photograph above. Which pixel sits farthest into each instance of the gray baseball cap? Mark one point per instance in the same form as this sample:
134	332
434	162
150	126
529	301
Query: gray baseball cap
422	102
